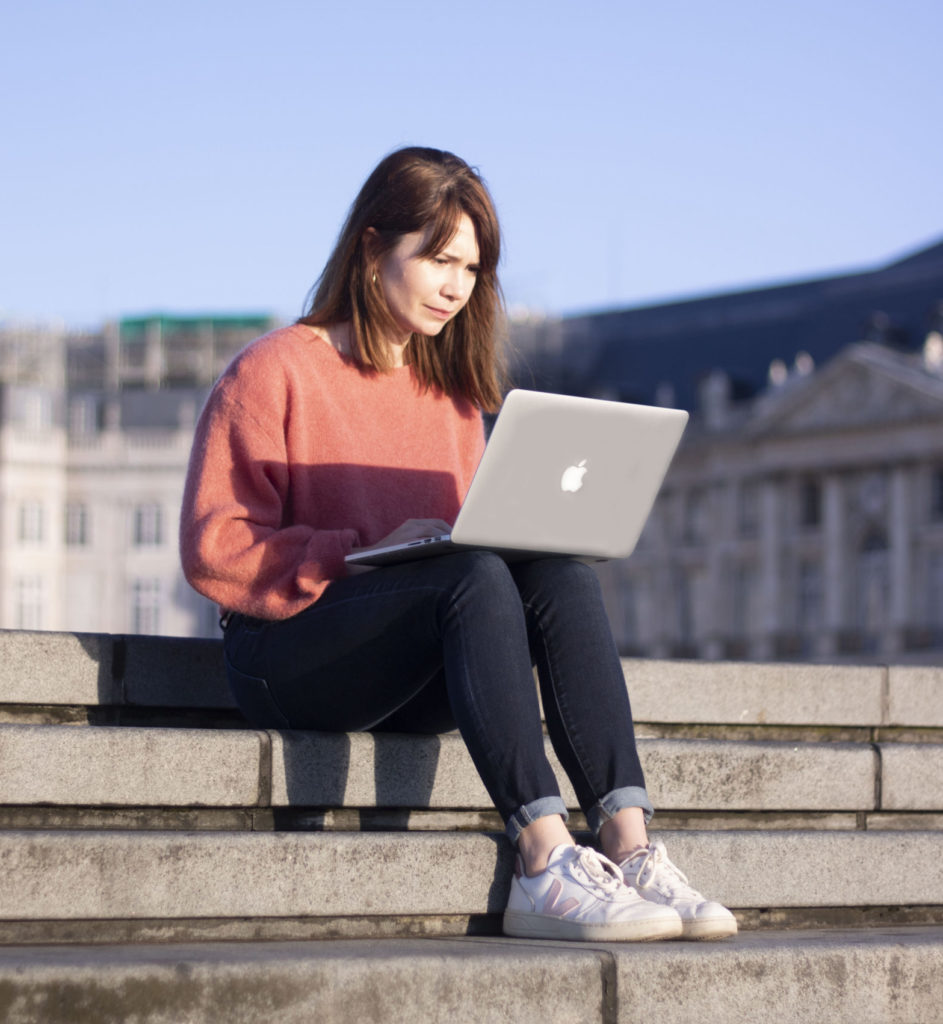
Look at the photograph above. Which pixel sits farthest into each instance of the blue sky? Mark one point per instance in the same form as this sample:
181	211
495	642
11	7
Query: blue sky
192	156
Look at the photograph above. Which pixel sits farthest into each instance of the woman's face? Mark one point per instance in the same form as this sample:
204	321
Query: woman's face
425	292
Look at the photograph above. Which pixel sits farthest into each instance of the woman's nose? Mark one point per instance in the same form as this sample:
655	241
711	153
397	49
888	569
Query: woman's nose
456	287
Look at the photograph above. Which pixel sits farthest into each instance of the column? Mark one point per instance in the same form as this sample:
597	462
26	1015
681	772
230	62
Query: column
768	619
835	564
901	568
716	614
665	631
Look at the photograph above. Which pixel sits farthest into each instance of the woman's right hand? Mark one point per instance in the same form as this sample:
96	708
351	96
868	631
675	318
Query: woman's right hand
412	529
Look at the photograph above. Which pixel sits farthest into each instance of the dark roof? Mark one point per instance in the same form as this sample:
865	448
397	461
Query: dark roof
631	352
930	258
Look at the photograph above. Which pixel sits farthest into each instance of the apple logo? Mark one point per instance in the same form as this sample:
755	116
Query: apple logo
572	479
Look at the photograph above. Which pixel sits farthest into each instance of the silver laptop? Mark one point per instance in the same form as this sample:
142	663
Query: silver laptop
559	476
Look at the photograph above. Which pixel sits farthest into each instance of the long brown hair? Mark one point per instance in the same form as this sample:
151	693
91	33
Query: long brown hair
415	189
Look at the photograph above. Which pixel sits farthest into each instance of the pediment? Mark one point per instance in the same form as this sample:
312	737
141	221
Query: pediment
852	391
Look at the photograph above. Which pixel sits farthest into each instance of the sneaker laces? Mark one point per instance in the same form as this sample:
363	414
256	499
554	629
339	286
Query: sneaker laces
656	869
597	869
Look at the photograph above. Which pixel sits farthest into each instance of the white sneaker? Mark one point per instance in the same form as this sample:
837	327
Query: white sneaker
581	895
654	876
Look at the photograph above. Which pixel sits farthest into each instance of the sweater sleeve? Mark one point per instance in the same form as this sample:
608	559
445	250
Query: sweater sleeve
234	546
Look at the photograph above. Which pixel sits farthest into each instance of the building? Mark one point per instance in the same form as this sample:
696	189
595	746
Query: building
806	523
95	433
802	517
660	354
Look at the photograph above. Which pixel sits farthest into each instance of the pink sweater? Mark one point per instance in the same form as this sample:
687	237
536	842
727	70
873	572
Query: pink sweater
299	457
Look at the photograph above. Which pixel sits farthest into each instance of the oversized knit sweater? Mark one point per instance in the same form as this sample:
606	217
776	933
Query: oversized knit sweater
300	456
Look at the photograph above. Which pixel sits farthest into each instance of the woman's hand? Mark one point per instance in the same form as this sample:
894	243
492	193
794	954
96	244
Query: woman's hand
412	529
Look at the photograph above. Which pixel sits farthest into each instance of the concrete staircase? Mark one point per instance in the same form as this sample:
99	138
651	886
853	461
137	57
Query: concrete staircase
161	861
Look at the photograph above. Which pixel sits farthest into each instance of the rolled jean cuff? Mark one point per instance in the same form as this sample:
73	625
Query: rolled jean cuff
541	808
618	800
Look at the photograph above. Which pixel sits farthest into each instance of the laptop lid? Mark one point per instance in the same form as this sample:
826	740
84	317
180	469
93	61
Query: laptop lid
568	475
562	475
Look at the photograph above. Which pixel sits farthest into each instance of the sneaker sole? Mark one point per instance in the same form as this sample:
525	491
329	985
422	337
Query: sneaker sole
716	928
527	925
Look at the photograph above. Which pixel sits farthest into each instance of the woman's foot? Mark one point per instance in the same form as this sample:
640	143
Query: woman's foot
651	873
581	896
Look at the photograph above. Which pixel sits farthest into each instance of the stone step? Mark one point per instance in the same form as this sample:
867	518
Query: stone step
101	670
407	878
101	766
142	877
879	976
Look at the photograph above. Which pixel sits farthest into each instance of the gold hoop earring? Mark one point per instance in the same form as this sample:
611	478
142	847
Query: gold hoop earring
374	277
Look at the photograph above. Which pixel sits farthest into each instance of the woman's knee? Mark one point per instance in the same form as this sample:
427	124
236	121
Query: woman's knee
481	581
477	567
565	575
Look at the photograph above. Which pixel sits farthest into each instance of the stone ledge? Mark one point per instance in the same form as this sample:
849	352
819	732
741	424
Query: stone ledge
103	669
101	875
423	980
39	668
915	696
746	693
48	764
117	931
911	776
137	767
386	770
880	976
56	668
397	819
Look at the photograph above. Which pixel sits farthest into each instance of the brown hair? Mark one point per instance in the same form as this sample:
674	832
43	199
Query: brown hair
411	190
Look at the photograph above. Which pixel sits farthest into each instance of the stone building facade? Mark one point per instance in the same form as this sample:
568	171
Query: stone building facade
805	524
95	434
801	519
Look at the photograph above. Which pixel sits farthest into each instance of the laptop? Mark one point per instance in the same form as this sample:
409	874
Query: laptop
560	475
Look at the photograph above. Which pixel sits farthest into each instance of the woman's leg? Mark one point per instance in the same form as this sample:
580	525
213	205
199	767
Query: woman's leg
365	653
590	722
586	705
368	652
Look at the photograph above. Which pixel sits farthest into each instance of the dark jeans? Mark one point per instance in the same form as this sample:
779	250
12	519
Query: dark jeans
431	644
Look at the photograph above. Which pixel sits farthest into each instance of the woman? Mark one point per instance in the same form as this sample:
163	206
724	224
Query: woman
360	426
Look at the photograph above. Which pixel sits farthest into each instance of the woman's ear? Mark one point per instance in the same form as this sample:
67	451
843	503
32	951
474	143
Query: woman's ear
370	239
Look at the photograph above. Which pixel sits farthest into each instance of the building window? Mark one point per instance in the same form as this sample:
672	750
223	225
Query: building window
84	416
133	353
32	526
76	524
29	602
873	496
810	597
872	589
936	496
744	585
695	517
810	504
935	594
145	606
684	605
148	525
32	410
748	510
